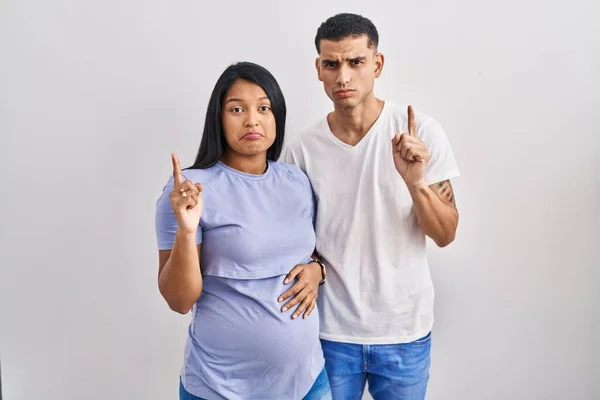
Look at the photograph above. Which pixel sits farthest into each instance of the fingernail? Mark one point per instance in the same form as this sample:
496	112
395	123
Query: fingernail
286	281
284	309
294	316
280	299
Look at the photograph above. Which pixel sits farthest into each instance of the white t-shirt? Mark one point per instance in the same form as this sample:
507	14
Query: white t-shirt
378	289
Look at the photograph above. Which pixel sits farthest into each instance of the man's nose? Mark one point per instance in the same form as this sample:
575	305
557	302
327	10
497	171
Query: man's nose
343	75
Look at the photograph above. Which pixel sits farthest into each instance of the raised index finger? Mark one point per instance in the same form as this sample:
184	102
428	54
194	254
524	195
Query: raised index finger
412	125
176	170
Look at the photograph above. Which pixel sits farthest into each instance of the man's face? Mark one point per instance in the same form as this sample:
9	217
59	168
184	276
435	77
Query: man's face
348	69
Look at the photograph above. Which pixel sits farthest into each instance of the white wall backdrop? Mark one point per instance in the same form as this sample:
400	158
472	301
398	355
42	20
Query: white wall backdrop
94	95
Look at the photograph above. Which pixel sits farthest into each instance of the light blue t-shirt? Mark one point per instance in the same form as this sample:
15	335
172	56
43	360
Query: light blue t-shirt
254	229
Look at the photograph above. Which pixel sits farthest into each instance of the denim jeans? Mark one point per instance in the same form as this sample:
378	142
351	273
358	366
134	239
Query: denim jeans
319	390
394	371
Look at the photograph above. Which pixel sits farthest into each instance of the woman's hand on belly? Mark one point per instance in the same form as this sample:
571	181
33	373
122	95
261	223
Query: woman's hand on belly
305	291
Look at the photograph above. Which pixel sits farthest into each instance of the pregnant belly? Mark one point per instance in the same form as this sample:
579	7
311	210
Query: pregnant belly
239	322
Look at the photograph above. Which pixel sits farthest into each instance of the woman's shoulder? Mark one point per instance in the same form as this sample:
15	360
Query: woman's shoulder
195	175
291	174
201	175
288	169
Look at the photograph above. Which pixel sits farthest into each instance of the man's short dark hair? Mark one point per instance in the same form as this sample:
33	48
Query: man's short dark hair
342	26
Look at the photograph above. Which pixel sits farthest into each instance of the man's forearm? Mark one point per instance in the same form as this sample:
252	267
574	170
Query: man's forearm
437	219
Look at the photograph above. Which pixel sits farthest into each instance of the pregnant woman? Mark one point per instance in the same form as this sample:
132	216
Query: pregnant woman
229	230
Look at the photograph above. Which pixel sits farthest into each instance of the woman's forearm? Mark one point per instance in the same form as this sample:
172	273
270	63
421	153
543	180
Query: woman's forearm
180	280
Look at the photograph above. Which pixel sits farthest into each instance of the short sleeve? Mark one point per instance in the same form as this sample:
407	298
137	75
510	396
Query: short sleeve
306	185
165	222
313	199
442	164
311	196
286	155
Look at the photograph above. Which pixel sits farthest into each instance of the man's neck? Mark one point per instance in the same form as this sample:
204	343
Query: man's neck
350	125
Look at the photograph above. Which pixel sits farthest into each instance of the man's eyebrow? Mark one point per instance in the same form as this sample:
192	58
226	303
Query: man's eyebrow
358	58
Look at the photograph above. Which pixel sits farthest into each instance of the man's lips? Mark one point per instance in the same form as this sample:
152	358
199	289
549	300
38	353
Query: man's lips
344	93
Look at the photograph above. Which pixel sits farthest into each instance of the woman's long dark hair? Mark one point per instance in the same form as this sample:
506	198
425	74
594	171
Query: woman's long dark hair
213	142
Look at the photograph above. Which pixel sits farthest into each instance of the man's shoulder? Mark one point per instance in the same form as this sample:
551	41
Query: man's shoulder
428	128
399	112
316	130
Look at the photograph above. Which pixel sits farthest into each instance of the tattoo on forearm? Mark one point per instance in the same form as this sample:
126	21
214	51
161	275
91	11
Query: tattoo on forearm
445	192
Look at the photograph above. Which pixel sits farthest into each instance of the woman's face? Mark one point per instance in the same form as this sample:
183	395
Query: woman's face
248	122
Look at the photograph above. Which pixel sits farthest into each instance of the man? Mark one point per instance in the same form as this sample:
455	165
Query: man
381	176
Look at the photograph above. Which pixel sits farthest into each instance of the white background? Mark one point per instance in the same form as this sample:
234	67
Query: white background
94	95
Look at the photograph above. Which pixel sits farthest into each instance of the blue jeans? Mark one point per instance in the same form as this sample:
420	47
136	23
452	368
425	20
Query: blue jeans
394	371
319	390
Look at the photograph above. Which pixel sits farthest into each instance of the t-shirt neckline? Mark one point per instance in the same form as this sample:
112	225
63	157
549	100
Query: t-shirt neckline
365	138
246	175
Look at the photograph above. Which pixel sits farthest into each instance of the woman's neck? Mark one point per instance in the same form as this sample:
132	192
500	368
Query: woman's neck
256	164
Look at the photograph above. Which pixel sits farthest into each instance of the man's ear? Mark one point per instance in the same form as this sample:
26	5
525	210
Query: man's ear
318	67
379	60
